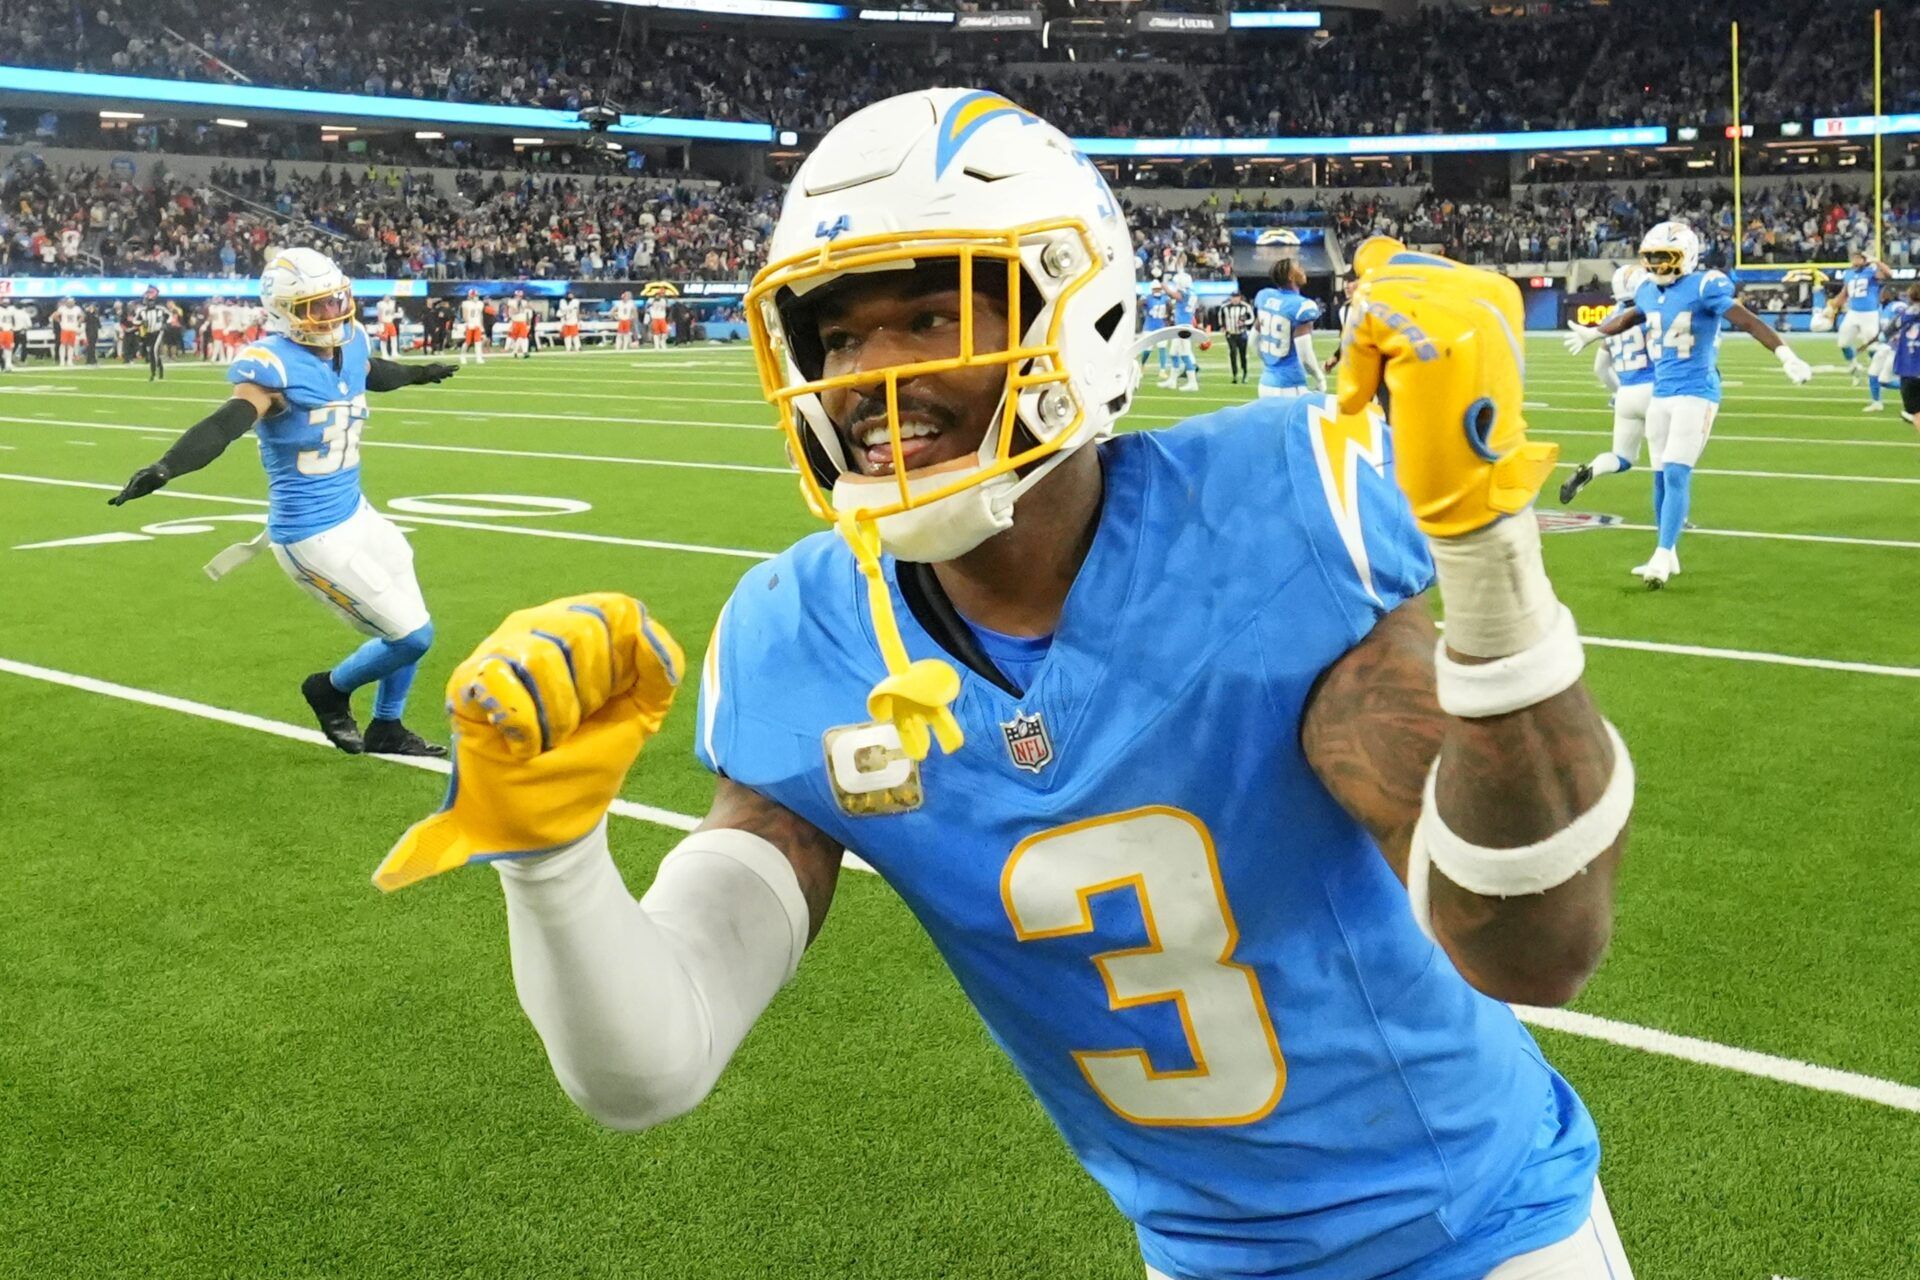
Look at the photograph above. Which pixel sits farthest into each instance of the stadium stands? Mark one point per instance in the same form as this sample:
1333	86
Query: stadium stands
1438	70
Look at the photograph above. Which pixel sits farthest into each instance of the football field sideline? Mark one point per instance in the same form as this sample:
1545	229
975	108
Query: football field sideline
1766	1066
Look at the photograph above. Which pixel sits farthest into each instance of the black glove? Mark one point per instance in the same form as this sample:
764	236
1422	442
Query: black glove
437	372
144	482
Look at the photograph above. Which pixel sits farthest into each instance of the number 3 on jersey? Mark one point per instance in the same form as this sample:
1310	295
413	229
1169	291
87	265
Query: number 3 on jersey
1275	335
339	448
1166	858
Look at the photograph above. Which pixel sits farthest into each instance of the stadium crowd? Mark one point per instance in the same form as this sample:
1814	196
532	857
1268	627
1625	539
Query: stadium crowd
498	225
1440	68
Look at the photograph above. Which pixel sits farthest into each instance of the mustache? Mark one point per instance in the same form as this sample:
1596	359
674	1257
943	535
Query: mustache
909	401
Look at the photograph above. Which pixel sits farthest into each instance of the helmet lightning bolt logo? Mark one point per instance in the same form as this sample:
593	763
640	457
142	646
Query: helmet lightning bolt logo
1340	443
964	119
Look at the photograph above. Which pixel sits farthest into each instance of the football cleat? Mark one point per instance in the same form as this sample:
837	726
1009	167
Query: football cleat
1663	564
1582	477
1874	406
334	710
391	738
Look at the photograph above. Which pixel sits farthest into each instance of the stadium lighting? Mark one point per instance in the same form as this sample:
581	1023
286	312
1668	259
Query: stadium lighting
529	142
751	8
340	128
123	115
428	135
788	138
230	122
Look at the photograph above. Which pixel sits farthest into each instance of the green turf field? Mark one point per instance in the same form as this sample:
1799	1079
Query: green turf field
222	1053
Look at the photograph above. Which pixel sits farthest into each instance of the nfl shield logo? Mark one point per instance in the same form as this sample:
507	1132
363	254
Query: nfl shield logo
1028	743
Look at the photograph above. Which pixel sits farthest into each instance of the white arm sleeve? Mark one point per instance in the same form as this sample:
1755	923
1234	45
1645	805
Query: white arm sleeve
1309	363
641	1004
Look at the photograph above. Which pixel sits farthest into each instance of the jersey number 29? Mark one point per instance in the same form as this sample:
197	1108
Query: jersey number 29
340	440
1165	858
1276	336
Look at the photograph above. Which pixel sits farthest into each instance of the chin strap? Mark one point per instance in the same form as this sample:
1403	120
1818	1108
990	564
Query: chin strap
915	697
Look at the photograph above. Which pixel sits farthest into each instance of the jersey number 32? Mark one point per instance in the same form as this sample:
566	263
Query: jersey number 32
339	450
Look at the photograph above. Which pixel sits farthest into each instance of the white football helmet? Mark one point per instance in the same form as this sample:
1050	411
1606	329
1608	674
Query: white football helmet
1669	251
307	298
1627	278
969	178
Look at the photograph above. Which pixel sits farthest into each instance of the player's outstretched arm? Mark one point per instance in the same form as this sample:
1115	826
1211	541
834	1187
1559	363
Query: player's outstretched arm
1374	729
1796	369
1582	336
640	1002
201	443
391	375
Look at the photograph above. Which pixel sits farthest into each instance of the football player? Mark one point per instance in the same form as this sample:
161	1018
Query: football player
519	326
1156	316
1235	858
657	322
1905	342
1181	297
1859	324
1629	370
624	312
473	328
386	320
1284	333
302	390
570	323
70	323
1893	309
1683	309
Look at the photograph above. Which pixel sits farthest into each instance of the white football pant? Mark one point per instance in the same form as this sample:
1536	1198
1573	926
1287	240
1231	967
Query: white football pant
1603	367
1593	1252
1859	329
362	570
1880	364
1288	392
1630	419
1677	429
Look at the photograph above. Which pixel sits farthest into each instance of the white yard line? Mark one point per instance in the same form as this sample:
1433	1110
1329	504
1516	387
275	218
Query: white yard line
1786	475
1832	539
409	408
1765	1066
561	535
438	448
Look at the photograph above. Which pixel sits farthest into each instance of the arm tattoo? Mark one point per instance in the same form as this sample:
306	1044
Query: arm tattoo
814	855
1372	729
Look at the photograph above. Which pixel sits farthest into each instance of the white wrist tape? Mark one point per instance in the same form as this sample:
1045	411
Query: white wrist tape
1475	690
1533	868
1494	585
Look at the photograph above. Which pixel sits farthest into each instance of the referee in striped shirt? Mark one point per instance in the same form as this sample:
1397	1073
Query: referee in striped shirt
152	317
1236	319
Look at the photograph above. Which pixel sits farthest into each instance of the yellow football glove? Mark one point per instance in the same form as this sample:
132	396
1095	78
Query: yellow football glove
548	715
1448	341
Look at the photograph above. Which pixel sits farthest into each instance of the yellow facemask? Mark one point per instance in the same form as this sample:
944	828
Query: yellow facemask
915	695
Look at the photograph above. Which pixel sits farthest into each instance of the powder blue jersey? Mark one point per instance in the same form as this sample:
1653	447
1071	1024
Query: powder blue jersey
1683	332
1276	314
311	448
1632	365
1158	312
1202	966
1183	307
1863	287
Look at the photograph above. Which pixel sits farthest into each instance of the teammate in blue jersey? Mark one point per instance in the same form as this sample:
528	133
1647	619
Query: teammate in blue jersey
1283	327
1184	371
1859	324
1626	366
1154	317
1236	861
1683	309
302	390
1893	309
